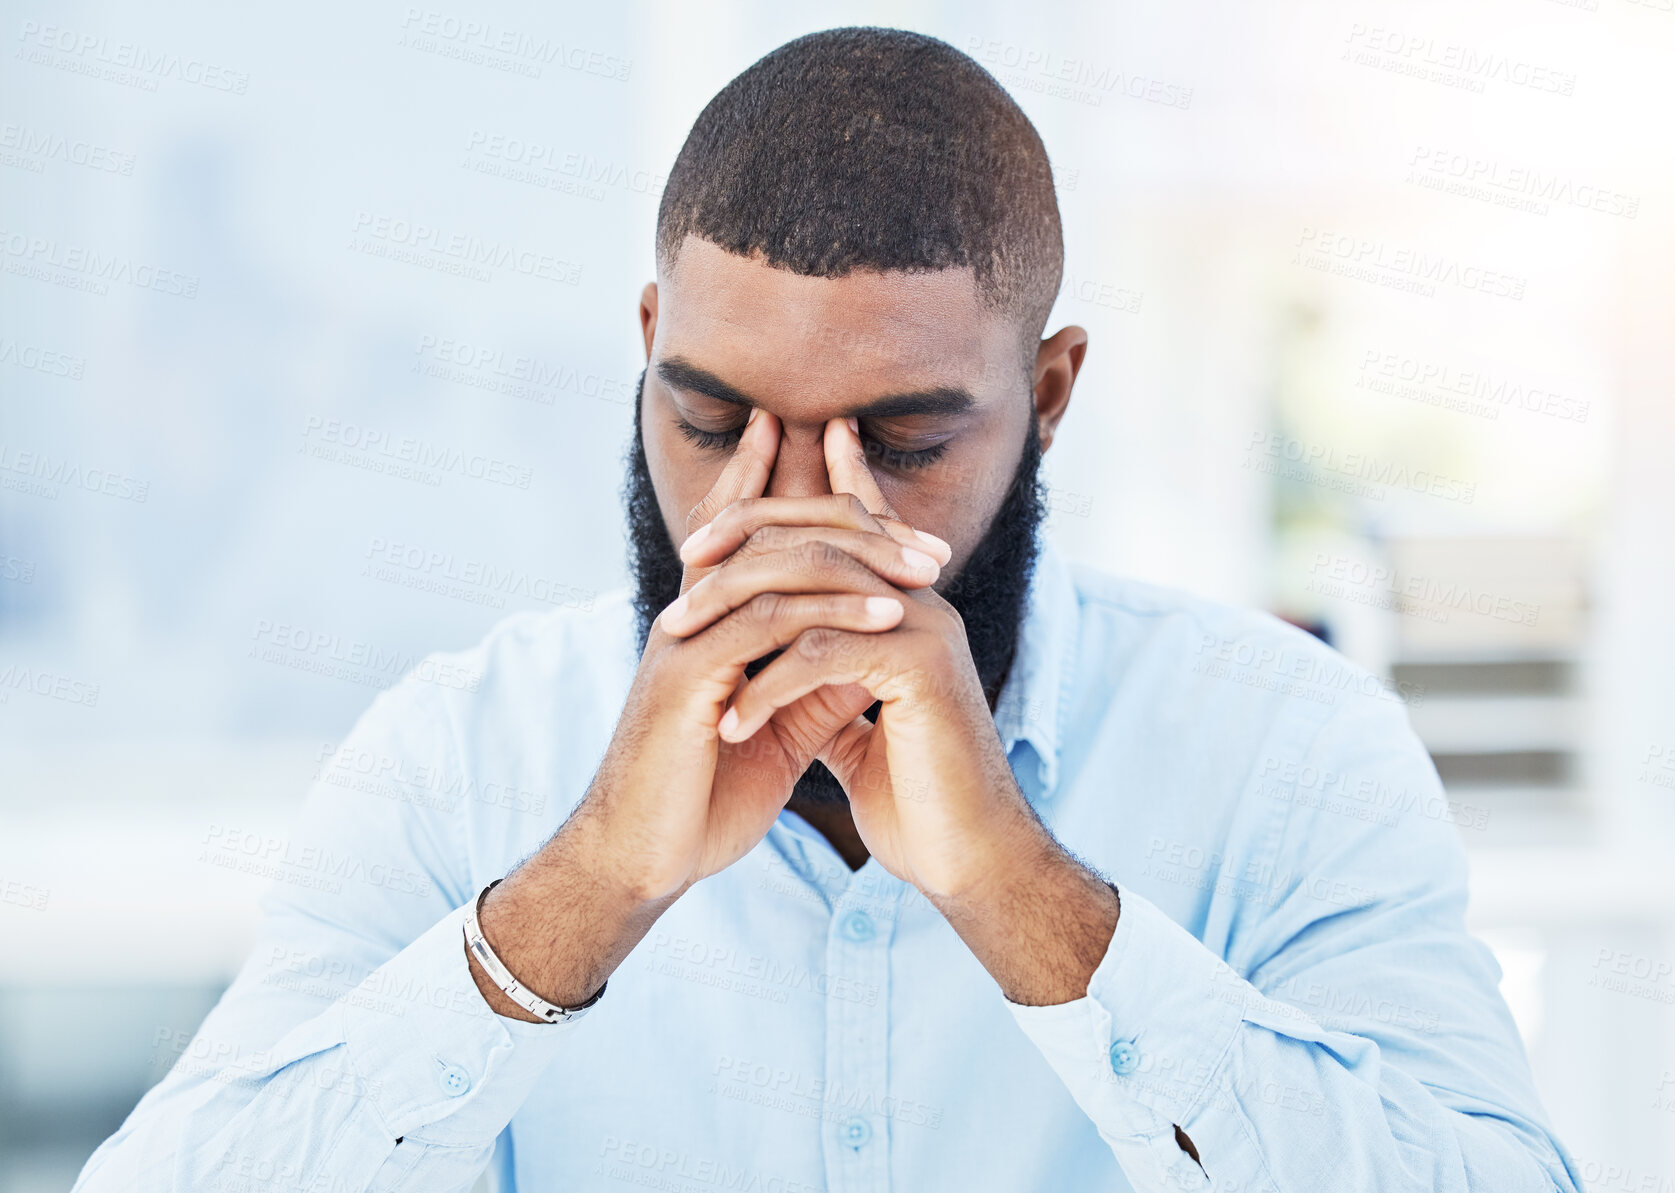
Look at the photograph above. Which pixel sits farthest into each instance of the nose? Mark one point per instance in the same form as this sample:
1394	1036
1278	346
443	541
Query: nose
800	464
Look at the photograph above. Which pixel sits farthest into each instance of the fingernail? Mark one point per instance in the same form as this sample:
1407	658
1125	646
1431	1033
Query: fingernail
917	560
694	539
754	411
854	424
675	611
937	543
882	608
729	722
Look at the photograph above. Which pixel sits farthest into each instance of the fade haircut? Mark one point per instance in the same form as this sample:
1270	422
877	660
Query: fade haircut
873	149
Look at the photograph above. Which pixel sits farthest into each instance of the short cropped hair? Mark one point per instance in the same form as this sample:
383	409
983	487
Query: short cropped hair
873	149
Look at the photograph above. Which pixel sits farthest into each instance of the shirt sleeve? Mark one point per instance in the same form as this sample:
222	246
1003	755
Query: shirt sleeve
1359	1039
353	1050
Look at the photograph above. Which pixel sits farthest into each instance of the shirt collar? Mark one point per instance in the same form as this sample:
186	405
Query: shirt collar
1032	702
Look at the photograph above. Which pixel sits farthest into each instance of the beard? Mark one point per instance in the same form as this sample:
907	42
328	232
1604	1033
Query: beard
988	592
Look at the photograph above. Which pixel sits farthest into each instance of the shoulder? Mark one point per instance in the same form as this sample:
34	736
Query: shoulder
1167	613
1250	740
588	631
1213	652
1224	697
531	661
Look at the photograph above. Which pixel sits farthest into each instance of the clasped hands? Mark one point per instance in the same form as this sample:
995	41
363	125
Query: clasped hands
843	584
703	759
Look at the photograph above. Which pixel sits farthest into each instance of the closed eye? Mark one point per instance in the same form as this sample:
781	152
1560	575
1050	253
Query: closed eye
878	452
897	460
709	440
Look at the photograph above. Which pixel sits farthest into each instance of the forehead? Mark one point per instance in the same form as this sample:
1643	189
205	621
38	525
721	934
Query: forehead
771	330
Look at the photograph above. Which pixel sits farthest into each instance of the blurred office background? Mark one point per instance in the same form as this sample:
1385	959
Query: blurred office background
1381	341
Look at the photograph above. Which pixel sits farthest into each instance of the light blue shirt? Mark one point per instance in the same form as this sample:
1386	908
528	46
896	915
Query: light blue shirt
1290	980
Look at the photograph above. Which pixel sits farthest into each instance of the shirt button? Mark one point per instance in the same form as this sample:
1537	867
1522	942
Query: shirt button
857	1131
858	926
455	1080
1124	1058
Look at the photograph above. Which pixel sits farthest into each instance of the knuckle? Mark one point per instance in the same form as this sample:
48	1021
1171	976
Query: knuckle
739	510
698	515
822	556
856	506
711	509
768	608
821	643
765	540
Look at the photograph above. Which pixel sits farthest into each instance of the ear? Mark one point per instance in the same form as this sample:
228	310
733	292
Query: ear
648	315
1057	362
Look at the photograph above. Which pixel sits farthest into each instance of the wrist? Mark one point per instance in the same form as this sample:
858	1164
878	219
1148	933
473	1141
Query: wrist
1040	927
587	851
488	965
1009	856
560	924
1015	862
628	885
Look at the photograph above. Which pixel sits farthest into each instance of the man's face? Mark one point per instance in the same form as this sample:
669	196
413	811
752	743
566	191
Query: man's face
944	404
811	349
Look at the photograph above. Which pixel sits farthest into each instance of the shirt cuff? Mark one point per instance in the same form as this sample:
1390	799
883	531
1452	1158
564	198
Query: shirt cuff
433	1054
1146	1044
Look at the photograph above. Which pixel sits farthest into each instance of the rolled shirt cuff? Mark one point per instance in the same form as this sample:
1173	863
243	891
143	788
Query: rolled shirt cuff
435	1056
1146	1045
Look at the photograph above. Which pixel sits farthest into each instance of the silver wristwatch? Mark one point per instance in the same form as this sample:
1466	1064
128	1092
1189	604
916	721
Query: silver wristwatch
502	977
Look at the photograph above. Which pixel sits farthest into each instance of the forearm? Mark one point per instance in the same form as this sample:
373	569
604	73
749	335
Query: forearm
323	1042
1039	927
1338	1113
1169	1037
222	1129
563	921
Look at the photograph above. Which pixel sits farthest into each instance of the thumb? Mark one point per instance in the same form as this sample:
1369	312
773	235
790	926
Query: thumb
807	726
846	465
745	475
845	755
848	472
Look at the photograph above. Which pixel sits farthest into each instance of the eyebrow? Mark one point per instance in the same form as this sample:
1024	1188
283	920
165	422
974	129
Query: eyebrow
943	399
